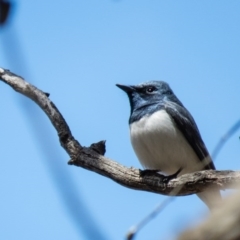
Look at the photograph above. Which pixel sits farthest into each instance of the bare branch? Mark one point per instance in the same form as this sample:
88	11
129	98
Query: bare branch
92	158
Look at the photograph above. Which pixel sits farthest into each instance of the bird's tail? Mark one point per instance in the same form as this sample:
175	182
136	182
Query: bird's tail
211	197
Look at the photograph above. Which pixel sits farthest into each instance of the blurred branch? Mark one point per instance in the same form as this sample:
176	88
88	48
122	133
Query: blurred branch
92	158
4	11
222	224
225	138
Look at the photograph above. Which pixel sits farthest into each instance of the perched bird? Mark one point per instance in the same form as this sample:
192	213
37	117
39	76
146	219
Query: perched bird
165	136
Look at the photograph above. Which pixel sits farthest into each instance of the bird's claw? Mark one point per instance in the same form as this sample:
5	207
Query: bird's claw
168	178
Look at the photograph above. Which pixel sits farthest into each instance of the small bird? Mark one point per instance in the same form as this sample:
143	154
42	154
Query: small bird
165	136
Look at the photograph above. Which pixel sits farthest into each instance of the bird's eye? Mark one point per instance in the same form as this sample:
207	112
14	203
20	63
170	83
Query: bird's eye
150	89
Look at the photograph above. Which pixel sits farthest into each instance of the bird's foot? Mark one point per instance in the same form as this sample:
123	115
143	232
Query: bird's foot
146	172
165	179
168	178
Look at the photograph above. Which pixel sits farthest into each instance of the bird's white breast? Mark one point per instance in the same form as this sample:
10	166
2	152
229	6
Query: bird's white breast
159	145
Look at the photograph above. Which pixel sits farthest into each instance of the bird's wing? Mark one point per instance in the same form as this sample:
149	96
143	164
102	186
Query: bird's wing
189	129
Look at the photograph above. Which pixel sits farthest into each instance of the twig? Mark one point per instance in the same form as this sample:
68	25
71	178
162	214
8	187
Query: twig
224	139
136	228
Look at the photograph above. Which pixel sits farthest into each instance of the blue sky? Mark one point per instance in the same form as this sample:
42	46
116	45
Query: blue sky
77	51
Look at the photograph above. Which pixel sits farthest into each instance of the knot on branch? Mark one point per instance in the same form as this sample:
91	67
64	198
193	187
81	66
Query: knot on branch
99	147
63	137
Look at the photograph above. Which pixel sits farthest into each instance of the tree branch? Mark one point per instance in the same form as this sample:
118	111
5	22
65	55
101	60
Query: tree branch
92	158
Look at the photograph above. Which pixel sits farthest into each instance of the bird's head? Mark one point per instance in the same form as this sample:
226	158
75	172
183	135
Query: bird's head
147	94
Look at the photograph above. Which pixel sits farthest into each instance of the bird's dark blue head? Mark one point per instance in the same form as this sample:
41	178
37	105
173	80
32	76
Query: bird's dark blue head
147	98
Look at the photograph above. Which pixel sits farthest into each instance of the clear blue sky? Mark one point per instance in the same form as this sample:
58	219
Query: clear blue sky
77	51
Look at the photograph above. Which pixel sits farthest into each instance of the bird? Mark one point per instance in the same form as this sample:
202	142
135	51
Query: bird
164	135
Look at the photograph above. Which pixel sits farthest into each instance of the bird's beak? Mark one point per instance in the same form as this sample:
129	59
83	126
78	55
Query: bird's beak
125	88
